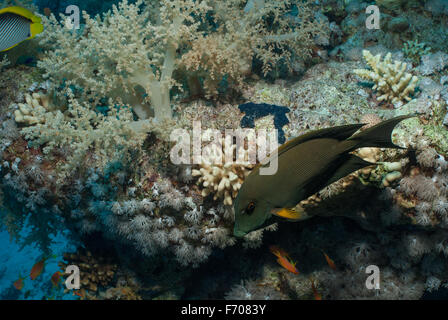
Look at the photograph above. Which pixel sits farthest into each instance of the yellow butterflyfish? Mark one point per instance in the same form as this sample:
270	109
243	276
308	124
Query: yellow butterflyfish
17	24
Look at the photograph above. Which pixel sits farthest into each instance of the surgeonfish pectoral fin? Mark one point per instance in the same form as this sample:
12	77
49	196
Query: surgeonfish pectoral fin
350	163
288	213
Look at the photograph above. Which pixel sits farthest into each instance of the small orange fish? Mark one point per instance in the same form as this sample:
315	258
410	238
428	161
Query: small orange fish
80	293
47	12
329	261
18	284
37	269
284	260
317	296
55	278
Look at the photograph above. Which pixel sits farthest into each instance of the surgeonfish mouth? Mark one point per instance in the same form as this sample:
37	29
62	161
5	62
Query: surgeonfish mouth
17	25
306	164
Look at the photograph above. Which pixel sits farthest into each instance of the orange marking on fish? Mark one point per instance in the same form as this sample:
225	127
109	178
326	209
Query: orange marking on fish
37	269
284	260
330	261
317	296
55	278
288	213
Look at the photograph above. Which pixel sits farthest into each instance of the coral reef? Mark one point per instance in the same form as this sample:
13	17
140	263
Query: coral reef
85	142
390	78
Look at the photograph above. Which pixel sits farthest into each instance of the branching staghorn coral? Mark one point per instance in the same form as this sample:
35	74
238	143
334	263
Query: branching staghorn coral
390	78
132	55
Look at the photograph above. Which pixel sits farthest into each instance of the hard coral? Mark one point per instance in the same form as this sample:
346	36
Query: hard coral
222	179
390	78
32	111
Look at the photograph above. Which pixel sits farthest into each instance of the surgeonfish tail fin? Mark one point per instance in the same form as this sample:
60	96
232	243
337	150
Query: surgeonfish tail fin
379	135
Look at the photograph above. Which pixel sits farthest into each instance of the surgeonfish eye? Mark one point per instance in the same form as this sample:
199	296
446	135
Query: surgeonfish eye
250	207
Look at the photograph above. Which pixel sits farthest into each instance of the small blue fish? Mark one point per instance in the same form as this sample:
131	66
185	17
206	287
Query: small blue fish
17	25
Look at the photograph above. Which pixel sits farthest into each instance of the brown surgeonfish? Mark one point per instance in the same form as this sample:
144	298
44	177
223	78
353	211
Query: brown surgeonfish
306	164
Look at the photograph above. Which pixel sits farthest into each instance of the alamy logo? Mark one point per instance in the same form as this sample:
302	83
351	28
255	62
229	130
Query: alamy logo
240	146
373	281
73	280
72	21
373	20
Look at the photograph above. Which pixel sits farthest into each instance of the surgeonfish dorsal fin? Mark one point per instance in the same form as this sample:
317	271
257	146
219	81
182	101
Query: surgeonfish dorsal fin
380	135
350	163
346	164
338	133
